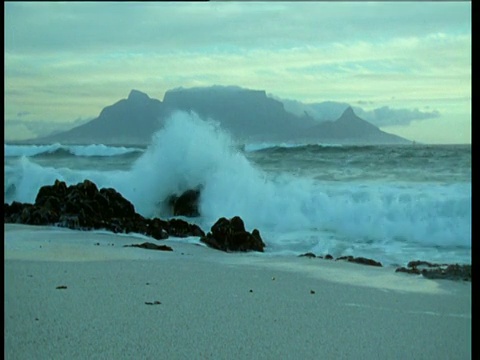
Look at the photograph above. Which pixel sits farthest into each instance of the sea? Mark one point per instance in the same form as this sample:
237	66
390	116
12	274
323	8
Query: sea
390	203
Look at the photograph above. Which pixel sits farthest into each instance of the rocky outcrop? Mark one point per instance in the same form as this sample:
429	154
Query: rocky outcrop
230	235
349	258
84	207
438	271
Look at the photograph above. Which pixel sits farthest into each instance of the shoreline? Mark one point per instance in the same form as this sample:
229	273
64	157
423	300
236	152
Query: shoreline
197	302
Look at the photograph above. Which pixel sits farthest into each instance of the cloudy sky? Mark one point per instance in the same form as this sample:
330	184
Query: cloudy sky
407	62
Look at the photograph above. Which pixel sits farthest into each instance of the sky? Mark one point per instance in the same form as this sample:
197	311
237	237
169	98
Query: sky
65	62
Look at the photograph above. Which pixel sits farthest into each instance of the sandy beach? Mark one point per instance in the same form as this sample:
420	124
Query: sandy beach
82	295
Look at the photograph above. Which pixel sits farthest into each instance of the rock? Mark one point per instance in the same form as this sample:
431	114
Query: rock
360	260
156	228
58	191
151	246
186	204
451	272
230	235
84	207
180	228
308	255
156	302
438	271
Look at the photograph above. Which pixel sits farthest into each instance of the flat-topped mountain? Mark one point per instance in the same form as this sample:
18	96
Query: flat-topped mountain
249	115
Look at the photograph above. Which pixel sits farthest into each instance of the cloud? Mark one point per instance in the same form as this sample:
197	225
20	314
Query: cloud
102	26
75	58
380	117
386	116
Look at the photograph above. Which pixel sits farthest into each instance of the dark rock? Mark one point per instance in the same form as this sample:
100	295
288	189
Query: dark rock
360	260
180	228
156	302
451	272
438	271
416	263
237	224
230	235
151	246
84	207
186	204
156	228
118	205
329	257
308	254
365	261
57	190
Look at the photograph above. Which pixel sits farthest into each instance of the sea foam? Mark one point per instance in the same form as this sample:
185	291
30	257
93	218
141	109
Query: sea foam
290	211
76	150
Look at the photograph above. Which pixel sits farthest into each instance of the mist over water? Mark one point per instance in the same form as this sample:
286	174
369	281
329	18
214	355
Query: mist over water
391	203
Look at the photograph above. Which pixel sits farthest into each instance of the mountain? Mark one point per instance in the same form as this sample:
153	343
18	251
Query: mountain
350	129
249	115
128	121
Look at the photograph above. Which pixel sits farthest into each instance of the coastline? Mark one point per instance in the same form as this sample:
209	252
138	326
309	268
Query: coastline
197	302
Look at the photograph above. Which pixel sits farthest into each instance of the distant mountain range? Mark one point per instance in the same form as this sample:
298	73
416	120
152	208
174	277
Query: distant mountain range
249	115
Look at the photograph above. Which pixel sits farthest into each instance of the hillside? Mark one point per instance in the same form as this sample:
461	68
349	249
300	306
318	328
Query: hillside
249	115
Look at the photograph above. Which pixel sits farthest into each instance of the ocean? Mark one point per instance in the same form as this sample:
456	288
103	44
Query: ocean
391	203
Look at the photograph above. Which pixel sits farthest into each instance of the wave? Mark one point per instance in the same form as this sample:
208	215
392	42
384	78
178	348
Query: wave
268	146
68	150
189	152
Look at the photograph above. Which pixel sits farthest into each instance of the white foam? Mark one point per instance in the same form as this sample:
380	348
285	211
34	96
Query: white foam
77	150
345	217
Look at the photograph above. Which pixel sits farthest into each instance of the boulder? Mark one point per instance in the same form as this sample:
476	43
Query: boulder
359	260
230	235
151	246
438	271
186	204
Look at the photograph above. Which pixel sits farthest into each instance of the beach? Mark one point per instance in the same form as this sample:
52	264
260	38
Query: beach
82	295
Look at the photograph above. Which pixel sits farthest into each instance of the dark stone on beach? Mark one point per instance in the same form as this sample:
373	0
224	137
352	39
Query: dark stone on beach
180	228
230	235
186	204
156	228
10	211
328	257
417	263
151	246
451	272
156	302
438	271
360	260
84	207
308	255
